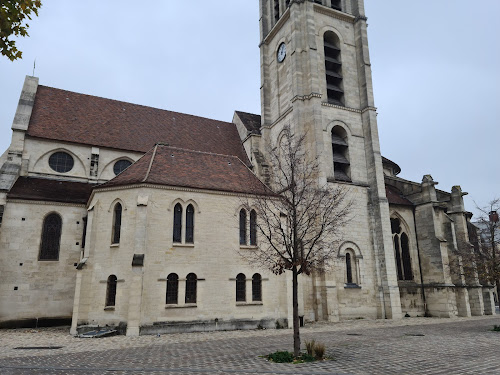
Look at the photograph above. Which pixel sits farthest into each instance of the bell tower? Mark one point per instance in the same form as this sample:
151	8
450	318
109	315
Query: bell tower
316	78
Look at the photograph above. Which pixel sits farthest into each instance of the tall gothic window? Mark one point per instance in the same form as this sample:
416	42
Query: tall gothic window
177	223
191	281
172	289
117	223
51	237
111	291
341	165
253	228
256	287
243	227
241	288
401	251
333	69
190	224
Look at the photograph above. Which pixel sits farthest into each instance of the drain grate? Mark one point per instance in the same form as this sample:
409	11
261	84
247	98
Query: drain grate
414	334
38	347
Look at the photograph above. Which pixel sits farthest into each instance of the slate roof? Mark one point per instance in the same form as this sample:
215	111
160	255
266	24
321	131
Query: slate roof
40	189
394	196
171	166
251	121
67	116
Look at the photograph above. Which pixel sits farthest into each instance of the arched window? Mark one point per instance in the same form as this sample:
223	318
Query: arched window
111	291
172	289
341	165
243	227
177	223
333	69
348	267
241	288
256	287
253	228
401	251
191	281
51	237
117	223
190	224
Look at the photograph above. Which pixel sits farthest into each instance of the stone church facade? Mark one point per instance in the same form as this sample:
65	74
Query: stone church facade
123	215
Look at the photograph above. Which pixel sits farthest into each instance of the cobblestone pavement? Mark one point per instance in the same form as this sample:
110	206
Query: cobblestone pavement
411	346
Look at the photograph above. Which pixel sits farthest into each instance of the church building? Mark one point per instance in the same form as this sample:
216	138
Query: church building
121	215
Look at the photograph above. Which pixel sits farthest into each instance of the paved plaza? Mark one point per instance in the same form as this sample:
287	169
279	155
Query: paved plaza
411	346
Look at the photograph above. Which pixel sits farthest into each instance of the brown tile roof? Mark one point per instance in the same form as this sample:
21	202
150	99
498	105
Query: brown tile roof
251	121
72	117
165	165
394	196
40	189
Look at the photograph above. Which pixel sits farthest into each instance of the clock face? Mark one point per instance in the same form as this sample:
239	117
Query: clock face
281	52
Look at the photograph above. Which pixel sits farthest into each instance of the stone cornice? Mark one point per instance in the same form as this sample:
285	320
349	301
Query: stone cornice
45	203
276	28
306	97
325	104
334	13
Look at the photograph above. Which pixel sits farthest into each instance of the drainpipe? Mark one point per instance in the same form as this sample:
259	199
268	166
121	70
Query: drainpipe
420	265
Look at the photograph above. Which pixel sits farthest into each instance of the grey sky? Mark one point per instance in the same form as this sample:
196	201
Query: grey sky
435	68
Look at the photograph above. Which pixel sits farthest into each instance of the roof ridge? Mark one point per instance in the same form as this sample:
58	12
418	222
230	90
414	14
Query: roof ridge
151	163
200	152
135	104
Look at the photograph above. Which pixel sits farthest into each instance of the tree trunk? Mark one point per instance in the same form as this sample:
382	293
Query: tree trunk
296	321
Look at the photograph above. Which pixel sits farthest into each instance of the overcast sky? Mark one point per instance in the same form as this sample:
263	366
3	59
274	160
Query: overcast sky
435	63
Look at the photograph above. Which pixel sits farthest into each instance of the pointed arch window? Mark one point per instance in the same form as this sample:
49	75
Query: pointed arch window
243	227
401	251
256	287
177	236
253	228
51	237
333	69
190	224
191	281
111	291
340	151
172	289
241	288
117	223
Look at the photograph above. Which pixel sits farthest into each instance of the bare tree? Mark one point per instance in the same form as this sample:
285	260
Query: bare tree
479	254
300	225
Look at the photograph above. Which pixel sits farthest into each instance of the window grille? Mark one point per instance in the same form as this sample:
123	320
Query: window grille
177	223
111	291
341	165
243	227
191	281
253	228
117	223
121	165
172	289
240	288
276	10
337	5
61	162
51	237
256	287
333	69
190	224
